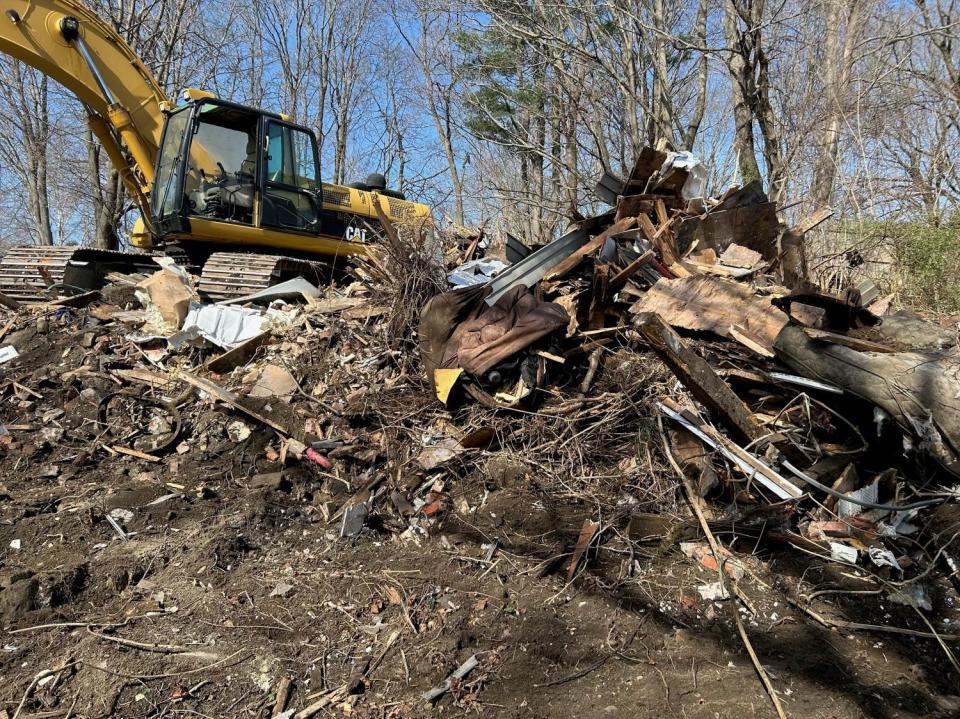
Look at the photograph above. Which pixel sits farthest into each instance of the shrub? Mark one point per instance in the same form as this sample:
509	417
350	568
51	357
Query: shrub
928	262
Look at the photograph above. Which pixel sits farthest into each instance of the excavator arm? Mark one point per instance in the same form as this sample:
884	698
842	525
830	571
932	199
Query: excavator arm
70	44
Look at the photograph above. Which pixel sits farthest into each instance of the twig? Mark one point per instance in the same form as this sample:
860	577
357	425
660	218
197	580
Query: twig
36	679
335	695
147	647
65	625
431	695
150	677
843	624
715	548
576	675
332	696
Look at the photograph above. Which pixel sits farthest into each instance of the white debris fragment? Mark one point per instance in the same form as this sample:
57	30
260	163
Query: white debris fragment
712	592
843	553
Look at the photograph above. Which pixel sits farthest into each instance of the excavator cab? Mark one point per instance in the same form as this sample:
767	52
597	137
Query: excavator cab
233	164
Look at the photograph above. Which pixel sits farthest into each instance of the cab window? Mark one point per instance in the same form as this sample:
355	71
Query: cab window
290	157
222	163
291	178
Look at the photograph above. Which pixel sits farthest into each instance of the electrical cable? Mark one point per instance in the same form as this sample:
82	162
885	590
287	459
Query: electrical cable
861	502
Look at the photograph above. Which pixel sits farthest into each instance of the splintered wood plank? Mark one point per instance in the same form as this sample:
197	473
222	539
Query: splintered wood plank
699	377
662	217
239	355
630	270
754	226
648	162
661	239
571	261
226	396
812	220
707	303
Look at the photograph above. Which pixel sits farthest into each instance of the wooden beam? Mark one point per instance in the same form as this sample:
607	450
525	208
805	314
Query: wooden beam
571	261
698	377
630	270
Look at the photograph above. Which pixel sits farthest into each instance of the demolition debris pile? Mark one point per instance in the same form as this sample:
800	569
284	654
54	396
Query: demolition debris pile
665	352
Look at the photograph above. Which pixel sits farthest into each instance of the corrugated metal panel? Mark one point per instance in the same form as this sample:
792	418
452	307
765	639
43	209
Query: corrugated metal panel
533	267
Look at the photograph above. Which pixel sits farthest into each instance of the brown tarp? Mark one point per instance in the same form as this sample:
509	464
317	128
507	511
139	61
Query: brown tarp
517	320
458	329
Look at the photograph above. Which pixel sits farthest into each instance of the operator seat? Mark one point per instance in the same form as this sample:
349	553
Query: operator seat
249	165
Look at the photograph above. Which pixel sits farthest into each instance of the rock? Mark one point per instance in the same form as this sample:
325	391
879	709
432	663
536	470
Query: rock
19	598
354	519
273	481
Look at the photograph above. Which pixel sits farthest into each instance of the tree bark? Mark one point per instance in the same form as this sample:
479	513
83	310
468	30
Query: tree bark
844	17
741	79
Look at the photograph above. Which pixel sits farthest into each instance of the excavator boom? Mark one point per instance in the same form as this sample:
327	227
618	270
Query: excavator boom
67	42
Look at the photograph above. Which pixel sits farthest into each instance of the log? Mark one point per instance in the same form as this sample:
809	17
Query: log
920	391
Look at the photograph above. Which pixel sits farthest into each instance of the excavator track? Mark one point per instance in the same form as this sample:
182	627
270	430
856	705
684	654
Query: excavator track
21	277
26	272
228	275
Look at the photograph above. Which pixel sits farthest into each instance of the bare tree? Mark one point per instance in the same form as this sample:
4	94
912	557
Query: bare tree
439	83
845	20
25	140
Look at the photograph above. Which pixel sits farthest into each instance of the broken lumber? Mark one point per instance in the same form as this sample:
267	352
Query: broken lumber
228	397
630	270
661	240
704	302
239	355
697	376
571	261
587	532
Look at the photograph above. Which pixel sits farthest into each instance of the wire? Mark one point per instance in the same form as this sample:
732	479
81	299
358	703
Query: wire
64	285
863	503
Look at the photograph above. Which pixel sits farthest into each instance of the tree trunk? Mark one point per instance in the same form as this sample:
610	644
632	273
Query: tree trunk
837	65
703	70
741	78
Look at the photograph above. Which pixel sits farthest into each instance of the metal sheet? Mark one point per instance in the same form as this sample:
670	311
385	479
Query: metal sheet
533	267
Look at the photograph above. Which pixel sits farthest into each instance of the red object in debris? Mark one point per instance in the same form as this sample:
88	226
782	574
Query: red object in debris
436	502
317	458
433	508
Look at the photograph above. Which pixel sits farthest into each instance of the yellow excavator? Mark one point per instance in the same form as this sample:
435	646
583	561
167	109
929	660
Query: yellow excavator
228	190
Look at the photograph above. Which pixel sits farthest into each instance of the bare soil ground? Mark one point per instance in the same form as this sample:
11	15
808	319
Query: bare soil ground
227	581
